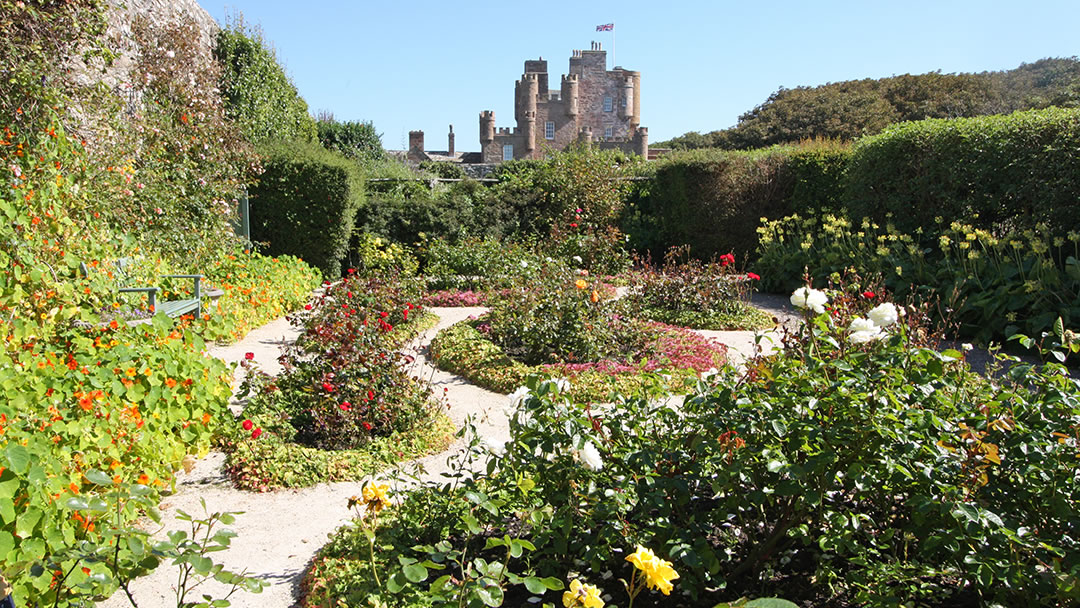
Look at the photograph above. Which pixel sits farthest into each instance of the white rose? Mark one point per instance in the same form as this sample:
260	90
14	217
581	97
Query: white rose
518	397
815	300
863	330
860	324
590	457
883	315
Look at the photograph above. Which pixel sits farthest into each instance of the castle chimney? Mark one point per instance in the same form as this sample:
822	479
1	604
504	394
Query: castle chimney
450	142
416	141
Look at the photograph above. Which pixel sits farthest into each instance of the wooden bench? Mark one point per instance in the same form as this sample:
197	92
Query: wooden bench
172	308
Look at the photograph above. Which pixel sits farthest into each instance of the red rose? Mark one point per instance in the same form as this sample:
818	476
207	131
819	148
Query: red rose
307	306
255	434
868	294
573	225
247	425
753	276
406	313
328	387
345	405
249	356
367	425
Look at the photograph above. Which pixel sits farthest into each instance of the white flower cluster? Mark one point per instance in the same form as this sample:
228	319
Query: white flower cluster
815	300
869	329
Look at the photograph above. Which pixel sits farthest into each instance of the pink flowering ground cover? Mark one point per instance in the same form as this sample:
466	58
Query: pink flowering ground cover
678	353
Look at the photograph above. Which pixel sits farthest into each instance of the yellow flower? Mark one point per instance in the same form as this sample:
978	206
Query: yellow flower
581	284
582	595
375	496
658	572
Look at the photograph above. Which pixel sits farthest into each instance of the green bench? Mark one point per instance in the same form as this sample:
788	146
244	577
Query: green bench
172	308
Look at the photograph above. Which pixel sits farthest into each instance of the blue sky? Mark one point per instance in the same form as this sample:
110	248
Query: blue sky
427	64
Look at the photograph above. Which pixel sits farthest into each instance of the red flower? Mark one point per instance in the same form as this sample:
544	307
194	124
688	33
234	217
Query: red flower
406	314
307	306
868	295
753	276
247	425
367	425
328	387
345	405
384	314
351	271
726	259
573	225
255	434
249	356
370	395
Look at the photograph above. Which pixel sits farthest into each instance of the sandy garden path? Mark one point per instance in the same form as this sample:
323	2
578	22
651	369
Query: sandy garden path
279	532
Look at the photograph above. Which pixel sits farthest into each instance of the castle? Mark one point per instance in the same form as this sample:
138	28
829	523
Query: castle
594	106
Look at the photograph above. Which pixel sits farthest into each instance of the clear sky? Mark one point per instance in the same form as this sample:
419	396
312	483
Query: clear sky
427	64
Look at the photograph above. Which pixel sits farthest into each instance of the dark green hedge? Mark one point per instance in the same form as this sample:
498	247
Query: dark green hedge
1010	171
305	204
713	200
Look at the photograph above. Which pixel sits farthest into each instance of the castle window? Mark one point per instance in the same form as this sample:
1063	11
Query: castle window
607	103
549	130
607	132
508	151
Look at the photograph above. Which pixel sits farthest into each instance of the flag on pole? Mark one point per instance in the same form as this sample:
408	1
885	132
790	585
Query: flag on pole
607	27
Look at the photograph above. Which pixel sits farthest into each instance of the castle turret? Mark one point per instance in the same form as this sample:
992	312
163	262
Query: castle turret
570	86
487	127
529	130
450	142
626	110
585	136
526	91
635	116
641	142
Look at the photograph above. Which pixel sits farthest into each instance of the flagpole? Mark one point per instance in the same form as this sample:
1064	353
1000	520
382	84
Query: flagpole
613	63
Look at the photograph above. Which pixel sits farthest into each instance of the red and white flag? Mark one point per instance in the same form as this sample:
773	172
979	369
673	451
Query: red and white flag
607	27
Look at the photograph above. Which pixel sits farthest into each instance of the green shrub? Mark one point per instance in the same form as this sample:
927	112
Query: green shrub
371	255
989	285
557	315
477	263
712	200
259	96
995	172
305	204
357	140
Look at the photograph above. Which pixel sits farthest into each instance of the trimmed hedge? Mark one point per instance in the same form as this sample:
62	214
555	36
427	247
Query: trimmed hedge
713	200
305	204
996	172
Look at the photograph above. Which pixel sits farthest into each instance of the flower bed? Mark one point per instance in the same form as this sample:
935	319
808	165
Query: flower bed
344	406
464	349
693	294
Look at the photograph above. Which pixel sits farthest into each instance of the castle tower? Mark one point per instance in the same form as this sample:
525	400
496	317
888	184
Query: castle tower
487	127
529	130
626	110
570	87
450	142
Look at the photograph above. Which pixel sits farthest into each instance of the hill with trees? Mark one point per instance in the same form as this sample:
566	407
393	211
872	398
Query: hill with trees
849	109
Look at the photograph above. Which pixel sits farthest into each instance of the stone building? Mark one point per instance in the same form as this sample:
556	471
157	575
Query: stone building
593	105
